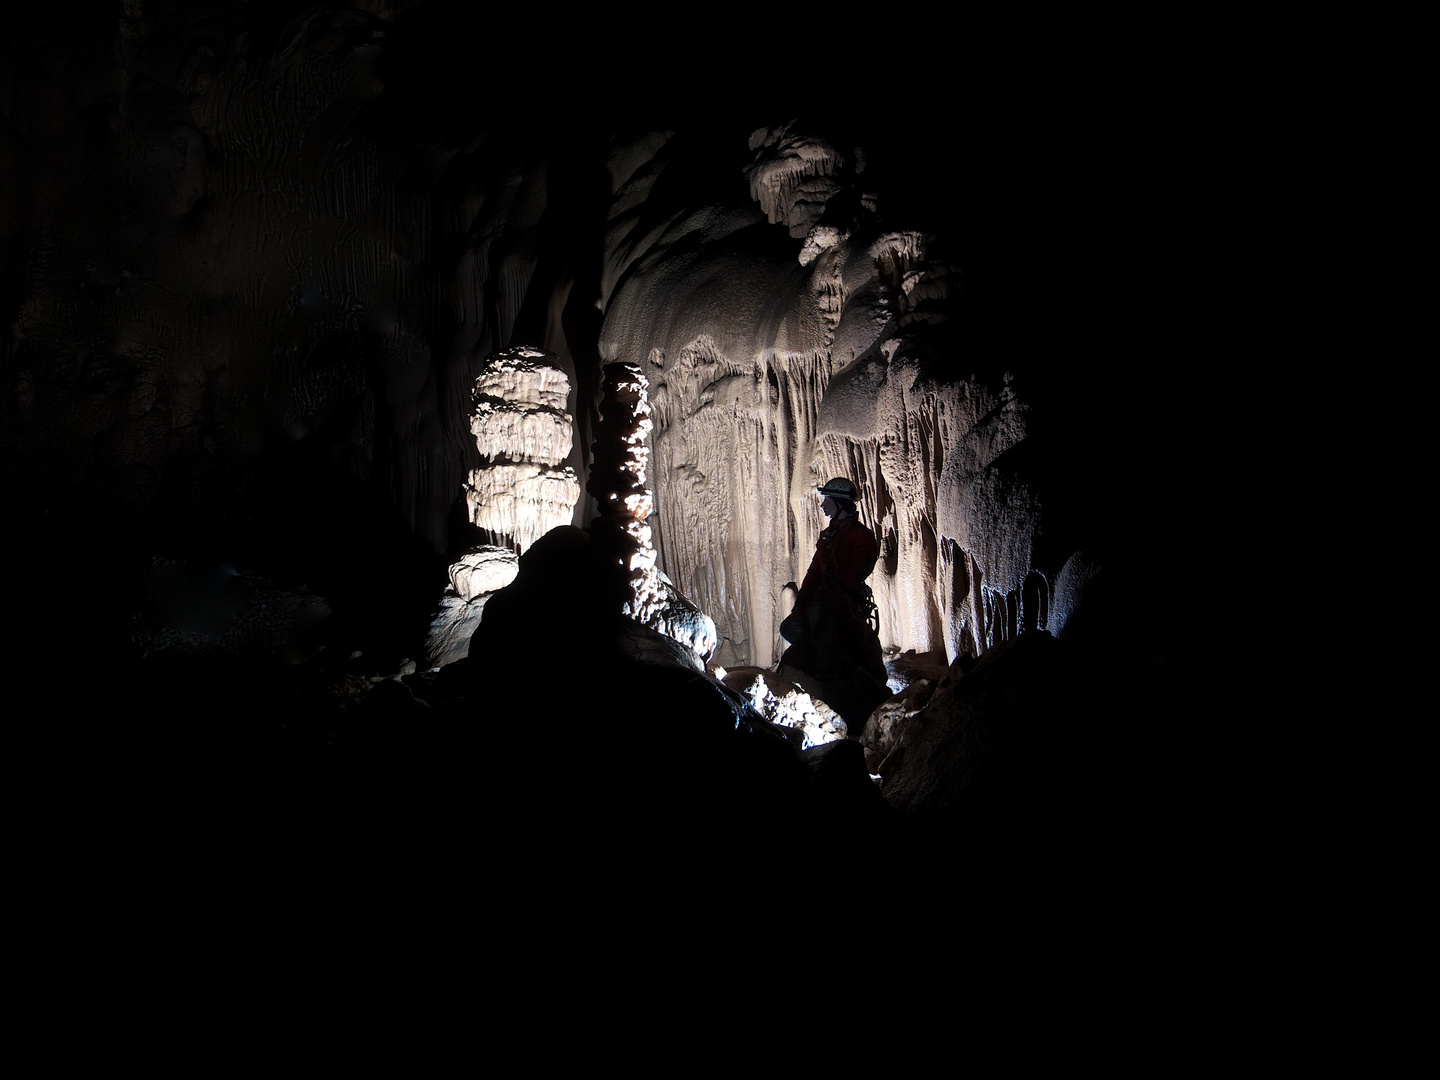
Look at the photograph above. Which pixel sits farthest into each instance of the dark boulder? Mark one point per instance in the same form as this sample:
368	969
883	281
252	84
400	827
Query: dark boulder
626	749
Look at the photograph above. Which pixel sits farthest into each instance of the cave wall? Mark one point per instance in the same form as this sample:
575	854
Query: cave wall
236	238
804	337
225	241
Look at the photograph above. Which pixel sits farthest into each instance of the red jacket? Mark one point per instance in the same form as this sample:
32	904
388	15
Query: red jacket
844	556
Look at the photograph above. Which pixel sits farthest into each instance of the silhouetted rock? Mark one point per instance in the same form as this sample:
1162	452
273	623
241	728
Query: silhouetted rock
988	750
630	745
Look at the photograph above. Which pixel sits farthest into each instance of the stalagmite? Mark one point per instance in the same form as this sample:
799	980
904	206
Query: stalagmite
517	494
520	491
617	480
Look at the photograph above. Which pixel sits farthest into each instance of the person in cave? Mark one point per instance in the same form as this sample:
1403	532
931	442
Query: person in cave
833	632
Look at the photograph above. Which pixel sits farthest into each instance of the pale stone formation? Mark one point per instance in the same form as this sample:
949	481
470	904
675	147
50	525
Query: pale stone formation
521	490
617	480
474	578
793	176
957	535
768	379
483	571
451	627
817	722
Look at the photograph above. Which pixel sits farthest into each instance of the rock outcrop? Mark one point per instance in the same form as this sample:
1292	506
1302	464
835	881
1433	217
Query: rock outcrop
474	578
214	611
617	481
685	769
787	706
999	743
775	367
520	490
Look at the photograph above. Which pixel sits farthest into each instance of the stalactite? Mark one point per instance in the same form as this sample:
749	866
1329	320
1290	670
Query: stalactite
791	176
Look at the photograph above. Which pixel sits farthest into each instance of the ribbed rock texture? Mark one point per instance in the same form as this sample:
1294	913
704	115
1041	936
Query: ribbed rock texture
518	492
774	372
787	706
521	490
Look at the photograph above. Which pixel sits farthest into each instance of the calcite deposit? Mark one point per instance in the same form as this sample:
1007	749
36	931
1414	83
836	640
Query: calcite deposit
521	490
770	377
474	578
787	706
617	481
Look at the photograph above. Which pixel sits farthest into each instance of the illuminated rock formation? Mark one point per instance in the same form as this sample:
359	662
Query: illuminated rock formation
617	480
787	706
793	176
770	378
474	578
214	611
521	490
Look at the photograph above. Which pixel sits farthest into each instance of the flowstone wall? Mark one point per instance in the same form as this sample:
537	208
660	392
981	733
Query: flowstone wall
792	344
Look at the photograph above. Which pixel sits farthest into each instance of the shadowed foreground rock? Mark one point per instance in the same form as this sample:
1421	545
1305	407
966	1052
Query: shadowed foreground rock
632	750
990	735
1046	756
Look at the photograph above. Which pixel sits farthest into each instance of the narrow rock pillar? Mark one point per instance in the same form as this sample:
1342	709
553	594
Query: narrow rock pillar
617	480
